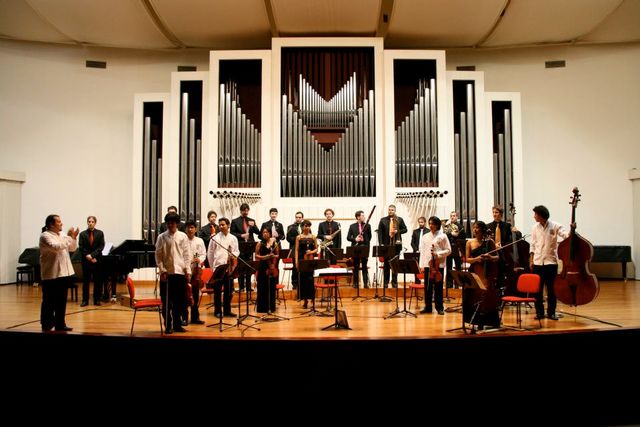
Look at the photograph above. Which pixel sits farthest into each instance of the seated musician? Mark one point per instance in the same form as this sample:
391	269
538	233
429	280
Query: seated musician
485	265
306	247
267	252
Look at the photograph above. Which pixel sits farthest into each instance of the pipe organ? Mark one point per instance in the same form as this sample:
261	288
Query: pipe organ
229	201
502	153
465	152
190	149
151	170
327	123
420	203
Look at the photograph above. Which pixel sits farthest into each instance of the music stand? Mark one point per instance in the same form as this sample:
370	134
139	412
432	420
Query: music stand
309	266
403	266
385	252
466	280
271	316
357	253
247	249
340	321
218	278
246	267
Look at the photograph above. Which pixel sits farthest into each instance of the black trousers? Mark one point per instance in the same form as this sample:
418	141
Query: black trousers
387	269
54	302
218	286
547	275
433	291
360	264
173	304
91	272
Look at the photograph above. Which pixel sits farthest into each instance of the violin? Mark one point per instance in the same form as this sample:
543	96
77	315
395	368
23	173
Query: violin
232	263
272	270
575	284
434	269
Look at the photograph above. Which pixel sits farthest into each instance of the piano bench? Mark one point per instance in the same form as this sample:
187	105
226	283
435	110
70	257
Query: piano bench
25	274
73	287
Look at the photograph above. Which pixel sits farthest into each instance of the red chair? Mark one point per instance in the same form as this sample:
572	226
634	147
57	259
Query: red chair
527	284
143	304
205	276
415	287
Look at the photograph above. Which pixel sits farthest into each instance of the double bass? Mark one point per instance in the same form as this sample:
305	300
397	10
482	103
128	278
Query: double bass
575	284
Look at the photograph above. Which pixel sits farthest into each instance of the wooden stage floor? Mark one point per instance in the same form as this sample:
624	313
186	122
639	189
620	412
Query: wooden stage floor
618	303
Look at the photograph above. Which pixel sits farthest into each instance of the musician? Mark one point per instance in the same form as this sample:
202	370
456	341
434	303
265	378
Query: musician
486	267
502	235
210	229
292	232
325	232
457	239
416	236
276	228
91	242
244	228
173	259
198	256
360	235
163	226
305	248
267	252
543	257
433	244
217	256
390	231
56	272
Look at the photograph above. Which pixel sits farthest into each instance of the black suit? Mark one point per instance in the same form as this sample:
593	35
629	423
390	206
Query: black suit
91	270
458	245
292	232
205	233
383	239
325	229
506	237
181	227
237	229
360	263
415	241
279	229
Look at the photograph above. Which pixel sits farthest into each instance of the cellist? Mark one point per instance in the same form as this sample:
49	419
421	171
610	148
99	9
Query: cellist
543	257
434	249
483	261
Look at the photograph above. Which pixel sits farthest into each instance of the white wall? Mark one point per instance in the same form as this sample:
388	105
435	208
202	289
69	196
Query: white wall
580	127
69	129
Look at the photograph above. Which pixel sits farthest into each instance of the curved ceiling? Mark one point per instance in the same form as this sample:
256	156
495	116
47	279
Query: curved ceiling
250	24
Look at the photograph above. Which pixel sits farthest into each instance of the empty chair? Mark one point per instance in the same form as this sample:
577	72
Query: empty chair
528	284
143	304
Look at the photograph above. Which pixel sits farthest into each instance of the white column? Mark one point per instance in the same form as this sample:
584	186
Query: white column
634	176
10	205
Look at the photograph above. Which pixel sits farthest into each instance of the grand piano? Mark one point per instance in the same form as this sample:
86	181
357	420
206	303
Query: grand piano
120	261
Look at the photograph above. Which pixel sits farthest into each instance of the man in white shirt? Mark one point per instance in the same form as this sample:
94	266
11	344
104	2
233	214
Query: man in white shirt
543	257
173	259
437	242
198	255
222	248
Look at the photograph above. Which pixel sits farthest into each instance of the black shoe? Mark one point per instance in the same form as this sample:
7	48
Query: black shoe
197	322
97	303
540	316
47	328
366	286
84	303
64	329
425	311
441	312
185	323
218	315
552	316
179	329
168	331
230	314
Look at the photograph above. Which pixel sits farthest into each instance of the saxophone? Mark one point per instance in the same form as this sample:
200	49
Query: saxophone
394	237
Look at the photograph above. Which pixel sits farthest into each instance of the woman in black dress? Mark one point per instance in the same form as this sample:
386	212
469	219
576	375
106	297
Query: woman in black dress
306	248
267	252
485	265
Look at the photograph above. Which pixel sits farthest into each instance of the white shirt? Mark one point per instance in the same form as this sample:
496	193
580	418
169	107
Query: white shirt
196	245
544	242
216	254
440	241
54	255
173	253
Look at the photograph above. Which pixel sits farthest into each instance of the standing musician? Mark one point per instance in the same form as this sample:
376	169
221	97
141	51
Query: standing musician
163	226
173	258
268	253
244	228
217	256
91	242
416	236
293	231
276	228
360	235
305	248
325	231
457	238
485	266
390	231
502	235
543	257
434	248
198	256
210	229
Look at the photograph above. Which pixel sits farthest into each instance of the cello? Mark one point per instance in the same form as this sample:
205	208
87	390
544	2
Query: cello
575	284
517	258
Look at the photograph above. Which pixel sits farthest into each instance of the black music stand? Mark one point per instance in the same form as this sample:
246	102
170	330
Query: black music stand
217	278
309	266
466	280
403	266
385	252
246	267
357	252
247	249
270	316
340	321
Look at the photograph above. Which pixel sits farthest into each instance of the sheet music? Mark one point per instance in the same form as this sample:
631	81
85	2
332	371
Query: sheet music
332	271
107	248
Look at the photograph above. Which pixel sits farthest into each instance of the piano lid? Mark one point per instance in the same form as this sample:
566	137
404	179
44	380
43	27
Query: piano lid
131	245
30	256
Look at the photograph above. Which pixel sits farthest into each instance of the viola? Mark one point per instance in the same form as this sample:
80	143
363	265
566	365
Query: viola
575	284
272	270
